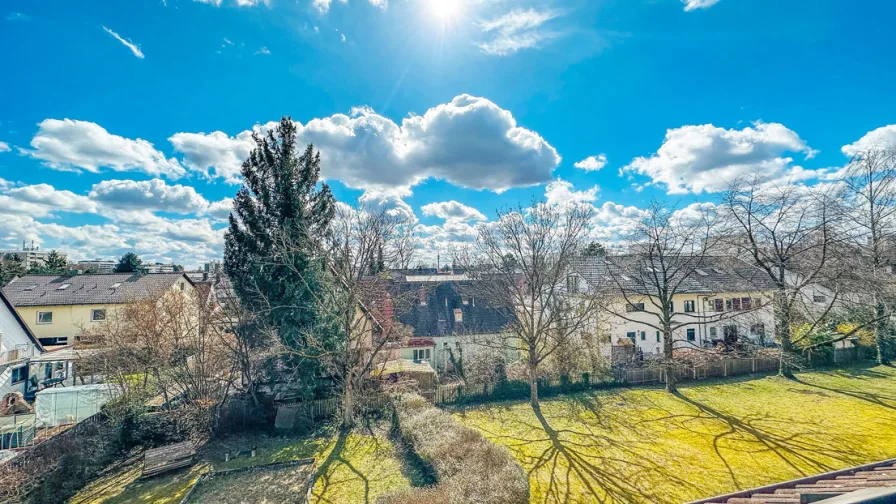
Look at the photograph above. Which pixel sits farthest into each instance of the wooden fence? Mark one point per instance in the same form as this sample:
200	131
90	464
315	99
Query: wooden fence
456	394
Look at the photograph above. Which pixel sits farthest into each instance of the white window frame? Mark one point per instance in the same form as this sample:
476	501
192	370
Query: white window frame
94	312
40	313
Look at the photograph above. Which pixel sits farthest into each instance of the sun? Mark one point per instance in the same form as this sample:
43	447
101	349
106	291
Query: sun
446	10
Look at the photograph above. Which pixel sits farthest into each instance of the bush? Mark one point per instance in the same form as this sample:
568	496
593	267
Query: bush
470	469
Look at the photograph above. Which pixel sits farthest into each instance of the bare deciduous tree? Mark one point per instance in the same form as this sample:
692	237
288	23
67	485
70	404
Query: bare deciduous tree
870	179
788	232
173	345
666	252
522	261
354	299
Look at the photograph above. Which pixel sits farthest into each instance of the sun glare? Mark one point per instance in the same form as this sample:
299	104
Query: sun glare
446	10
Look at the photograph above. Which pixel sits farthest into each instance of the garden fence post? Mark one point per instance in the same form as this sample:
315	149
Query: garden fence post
725	363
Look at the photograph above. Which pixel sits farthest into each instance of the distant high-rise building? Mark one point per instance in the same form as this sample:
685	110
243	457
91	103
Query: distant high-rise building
213	268
97	265
31	256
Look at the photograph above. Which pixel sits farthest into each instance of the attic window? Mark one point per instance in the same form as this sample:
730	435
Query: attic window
31	287
701	272
116	285
717	270
63	286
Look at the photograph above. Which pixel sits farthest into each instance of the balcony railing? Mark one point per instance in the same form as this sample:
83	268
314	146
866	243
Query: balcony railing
16	354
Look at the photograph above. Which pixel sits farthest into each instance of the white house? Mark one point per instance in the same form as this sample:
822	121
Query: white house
720	300
17	346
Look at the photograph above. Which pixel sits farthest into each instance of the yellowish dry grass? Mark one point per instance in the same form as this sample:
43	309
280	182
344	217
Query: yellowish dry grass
356	468
648	446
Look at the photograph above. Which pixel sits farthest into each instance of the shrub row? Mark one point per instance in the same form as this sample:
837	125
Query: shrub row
469	468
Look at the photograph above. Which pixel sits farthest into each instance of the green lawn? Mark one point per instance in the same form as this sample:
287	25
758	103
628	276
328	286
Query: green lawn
646	445
355	468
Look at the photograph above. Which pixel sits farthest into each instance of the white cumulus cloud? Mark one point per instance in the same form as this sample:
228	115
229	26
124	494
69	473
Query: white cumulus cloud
153	195
880	138
707	158
80	145
592	163
560	192
452	210
4	147
469	142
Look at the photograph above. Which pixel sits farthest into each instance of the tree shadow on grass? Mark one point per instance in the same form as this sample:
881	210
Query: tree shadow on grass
806	450
327	471
583	464
878	399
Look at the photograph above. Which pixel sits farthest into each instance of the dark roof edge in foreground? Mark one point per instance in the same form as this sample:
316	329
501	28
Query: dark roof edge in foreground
808	480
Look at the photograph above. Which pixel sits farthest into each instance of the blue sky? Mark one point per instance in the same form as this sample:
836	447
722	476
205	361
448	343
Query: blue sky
122	124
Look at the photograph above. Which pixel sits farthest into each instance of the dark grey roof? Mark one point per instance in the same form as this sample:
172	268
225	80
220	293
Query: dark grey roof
695	275
113	288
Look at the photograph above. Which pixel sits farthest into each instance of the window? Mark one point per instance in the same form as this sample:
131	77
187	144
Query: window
658	337
713	332
757	302
643	335
44	317
700	272
631	335
746	303
63	286
758	330
98	315
116	285
689	307
735	304
572	284
819	298
19	374
720	306
692	335
183	286
634	307
422	354
31	287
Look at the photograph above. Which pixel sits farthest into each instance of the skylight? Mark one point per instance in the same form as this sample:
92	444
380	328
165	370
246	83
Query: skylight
116	285
31	287
700	272
63	286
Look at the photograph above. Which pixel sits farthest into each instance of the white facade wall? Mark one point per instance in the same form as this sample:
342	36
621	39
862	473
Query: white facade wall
706	323
15	348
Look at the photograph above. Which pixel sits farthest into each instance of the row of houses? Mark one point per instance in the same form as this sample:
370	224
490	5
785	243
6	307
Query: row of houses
43	315
723	301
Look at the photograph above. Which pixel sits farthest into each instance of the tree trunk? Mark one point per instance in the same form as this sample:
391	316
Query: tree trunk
348	406
880	333
669	360
782	332
533	385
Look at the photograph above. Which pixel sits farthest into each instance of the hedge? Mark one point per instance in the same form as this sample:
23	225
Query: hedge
469	468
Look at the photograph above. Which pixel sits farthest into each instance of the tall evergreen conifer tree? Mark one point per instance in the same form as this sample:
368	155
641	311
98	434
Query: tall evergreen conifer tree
280	214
